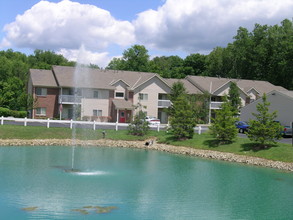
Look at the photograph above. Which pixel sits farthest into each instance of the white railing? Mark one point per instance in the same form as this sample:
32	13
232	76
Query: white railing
164	103
70	123
70	99
216	105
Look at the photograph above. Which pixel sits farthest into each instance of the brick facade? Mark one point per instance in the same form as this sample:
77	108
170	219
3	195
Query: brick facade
50	102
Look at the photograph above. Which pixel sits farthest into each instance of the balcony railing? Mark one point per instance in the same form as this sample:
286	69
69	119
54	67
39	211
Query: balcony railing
216	105
69	99
164	103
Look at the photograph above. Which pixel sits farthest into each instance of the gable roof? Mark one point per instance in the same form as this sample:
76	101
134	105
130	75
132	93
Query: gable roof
204	83
190	88
84	77
42	78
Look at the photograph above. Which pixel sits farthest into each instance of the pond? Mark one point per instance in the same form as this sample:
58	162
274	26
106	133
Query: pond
118	183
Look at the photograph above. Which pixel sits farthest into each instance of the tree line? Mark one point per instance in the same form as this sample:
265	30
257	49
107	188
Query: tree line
266	53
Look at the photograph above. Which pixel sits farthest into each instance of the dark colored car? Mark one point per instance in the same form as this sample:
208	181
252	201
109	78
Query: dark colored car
242	126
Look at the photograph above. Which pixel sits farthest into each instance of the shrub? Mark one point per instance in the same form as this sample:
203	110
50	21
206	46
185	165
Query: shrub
17	114
139	126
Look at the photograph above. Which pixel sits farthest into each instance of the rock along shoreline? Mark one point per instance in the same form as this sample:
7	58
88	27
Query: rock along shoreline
154	146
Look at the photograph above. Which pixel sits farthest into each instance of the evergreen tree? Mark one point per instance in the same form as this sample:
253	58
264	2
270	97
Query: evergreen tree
264	130
139	126
234	98
182	119
223	126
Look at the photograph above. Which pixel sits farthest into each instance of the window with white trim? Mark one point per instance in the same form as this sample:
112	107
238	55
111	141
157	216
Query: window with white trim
41	91
143	96
119	94
41	111
97	112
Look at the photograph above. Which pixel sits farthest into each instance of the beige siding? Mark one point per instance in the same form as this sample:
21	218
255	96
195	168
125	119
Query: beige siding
153	87
89	103
225	91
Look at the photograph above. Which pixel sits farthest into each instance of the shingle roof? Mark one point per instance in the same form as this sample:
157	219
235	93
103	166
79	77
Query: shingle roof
122	104
190	88
82	77
204	83
42	78
97	78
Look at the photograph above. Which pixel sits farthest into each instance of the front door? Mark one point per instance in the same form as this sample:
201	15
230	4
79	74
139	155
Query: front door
122	116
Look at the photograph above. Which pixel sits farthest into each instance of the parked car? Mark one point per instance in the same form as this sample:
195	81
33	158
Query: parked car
153	120
242	126
287	131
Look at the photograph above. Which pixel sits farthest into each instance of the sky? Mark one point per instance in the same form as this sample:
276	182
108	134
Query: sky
106	28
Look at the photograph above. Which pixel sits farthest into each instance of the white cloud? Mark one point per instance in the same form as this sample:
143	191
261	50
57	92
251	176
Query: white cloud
84	56
67	25
196	25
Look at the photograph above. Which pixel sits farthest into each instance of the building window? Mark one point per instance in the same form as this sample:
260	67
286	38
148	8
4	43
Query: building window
119	94
97	112
41	111
41	91
143	96
96	94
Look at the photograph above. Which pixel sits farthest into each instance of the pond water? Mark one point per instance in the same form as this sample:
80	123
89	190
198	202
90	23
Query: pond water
116	183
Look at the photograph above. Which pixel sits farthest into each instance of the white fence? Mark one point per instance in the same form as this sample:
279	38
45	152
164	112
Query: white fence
70	123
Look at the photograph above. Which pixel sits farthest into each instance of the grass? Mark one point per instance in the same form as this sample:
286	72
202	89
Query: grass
242	146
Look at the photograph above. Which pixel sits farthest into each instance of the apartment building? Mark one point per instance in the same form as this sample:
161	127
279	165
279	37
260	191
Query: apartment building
111	95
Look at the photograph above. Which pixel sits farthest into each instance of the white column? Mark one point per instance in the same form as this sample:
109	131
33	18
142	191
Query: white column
48	123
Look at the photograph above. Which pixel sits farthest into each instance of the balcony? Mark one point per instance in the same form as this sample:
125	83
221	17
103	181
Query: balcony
69	99
216	105
164	103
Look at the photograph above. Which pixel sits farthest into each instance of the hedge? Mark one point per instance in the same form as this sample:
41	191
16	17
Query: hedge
17	114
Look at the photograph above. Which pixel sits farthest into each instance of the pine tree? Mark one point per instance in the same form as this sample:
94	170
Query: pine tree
182	120
234	98
139	126
264	130
223	127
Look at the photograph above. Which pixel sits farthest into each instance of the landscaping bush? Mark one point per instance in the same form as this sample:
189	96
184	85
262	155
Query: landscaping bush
4	112
17	114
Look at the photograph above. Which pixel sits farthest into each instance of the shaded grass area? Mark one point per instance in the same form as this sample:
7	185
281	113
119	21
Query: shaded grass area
242	146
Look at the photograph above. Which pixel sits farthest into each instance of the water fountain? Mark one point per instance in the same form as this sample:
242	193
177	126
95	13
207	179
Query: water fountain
80	74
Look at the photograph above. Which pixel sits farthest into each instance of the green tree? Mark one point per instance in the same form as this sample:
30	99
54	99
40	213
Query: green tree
264	130
223	127
139	126
135	58
177	90
182	119
195	64
234	98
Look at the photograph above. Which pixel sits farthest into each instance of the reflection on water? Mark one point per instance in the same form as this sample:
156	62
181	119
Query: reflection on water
141	184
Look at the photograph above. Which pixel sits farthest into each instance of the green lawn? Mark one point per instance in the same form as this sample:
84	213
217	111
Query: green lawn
243	146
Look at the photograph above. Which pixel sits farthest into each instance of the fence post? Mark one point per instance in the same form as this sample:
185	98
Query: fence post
116	126
94	125
48	123
199	129
25	121
2	120
158	127
71	122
